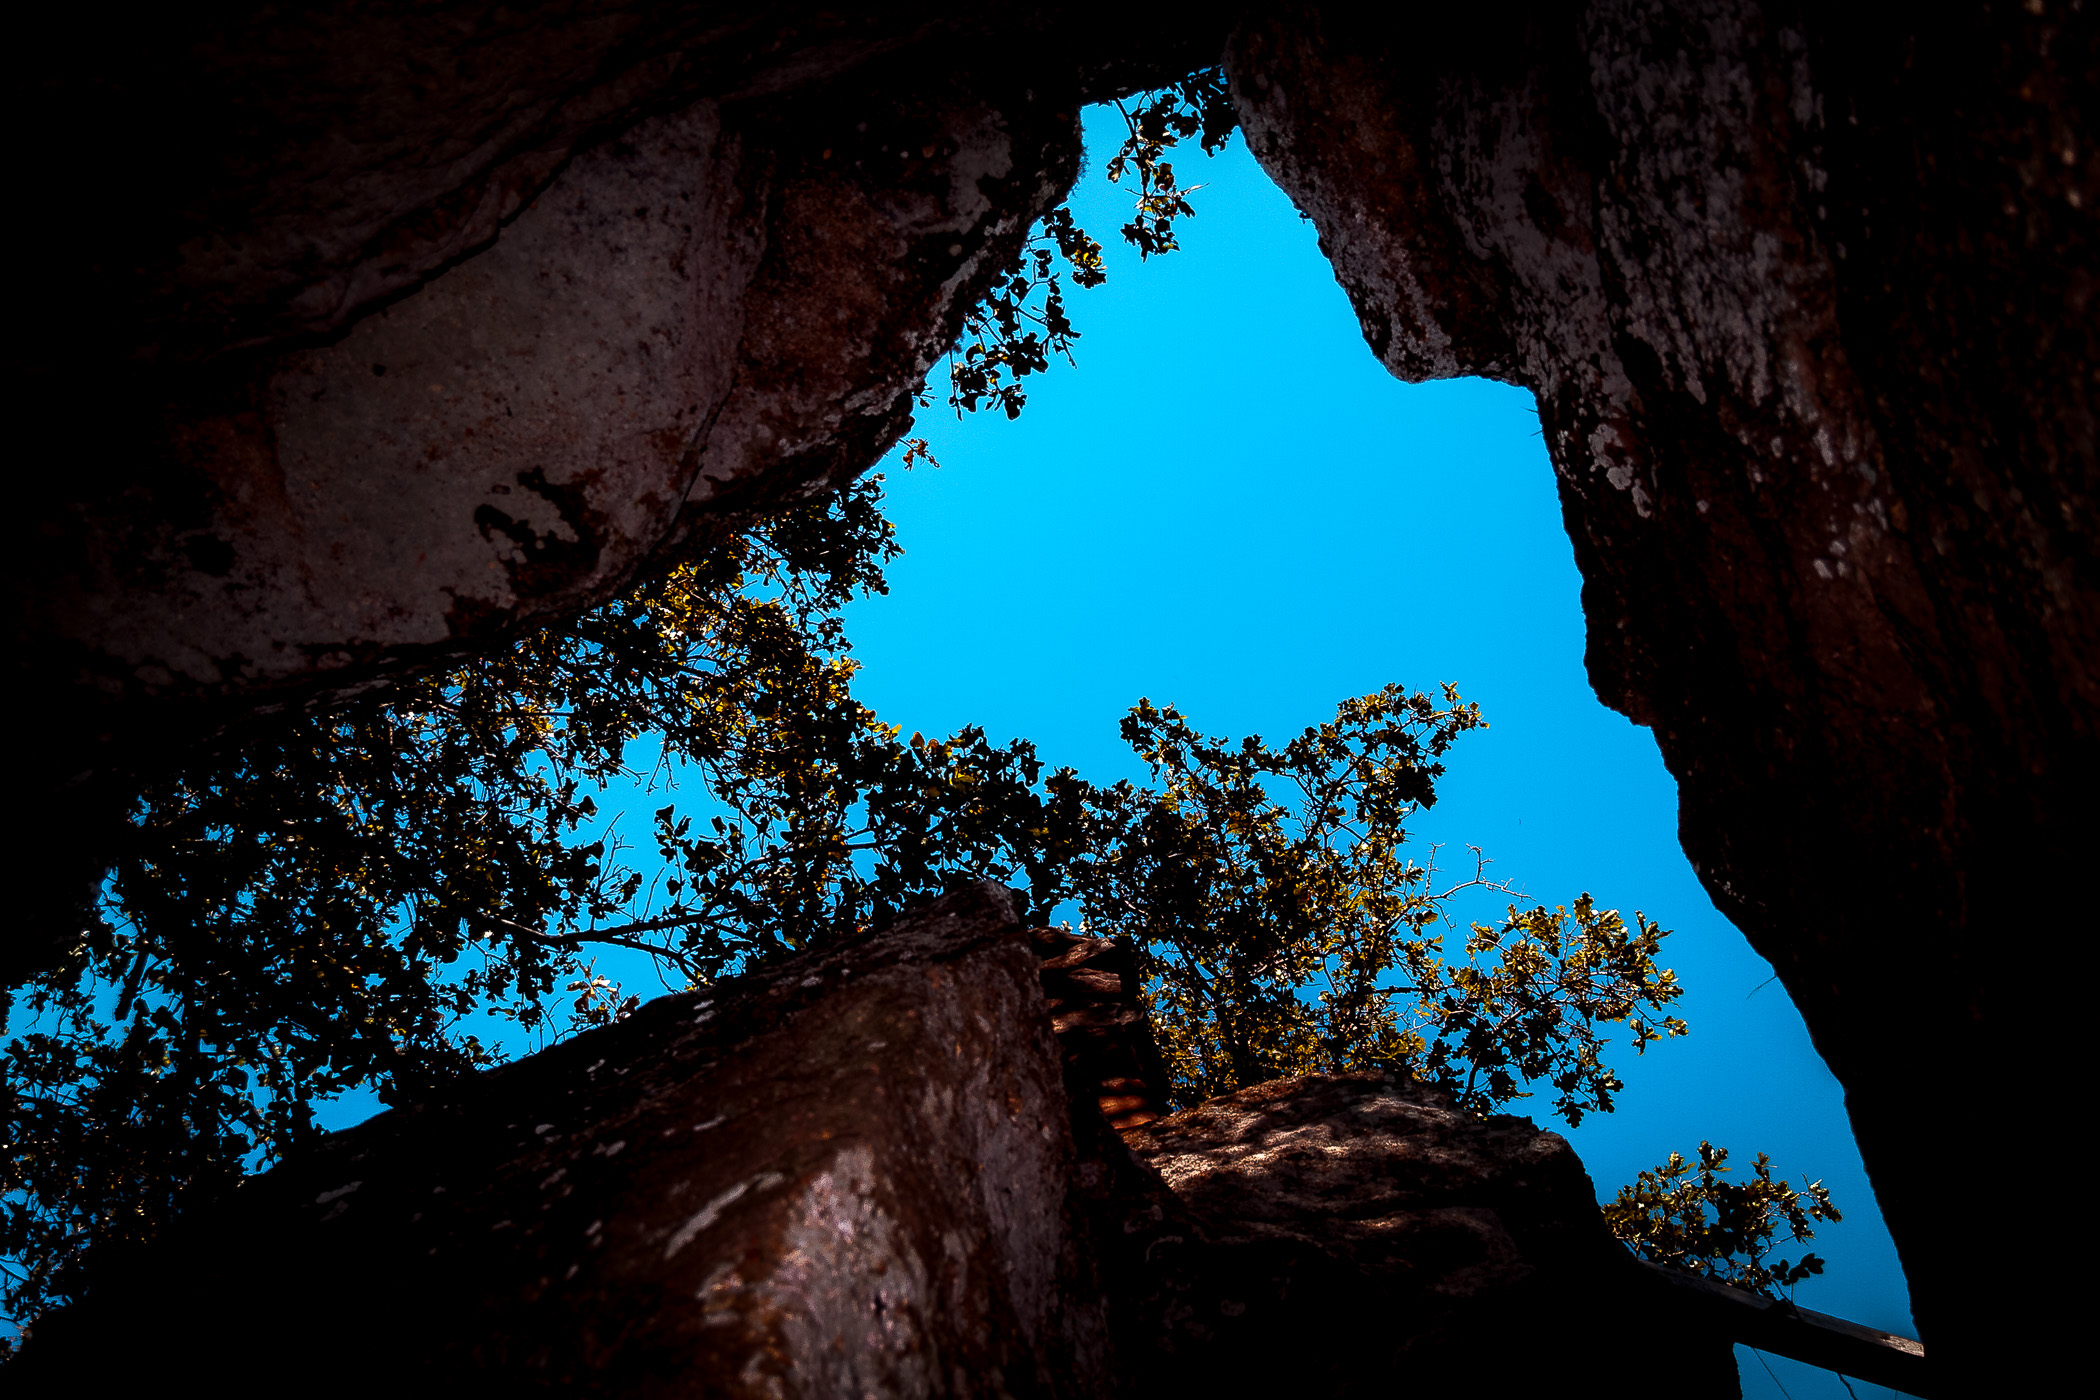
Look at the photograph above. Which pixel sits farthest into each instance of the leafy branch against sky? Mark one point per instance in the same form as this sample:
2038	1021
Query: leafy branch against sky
1022	322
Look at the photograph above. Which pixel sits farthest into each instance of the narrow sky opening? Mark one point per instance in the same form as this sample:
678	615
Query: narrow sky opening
1230	506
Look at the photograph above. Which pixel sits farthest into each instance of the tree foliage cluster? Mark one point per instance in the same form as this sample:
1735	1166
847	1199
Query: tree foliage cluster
383	896
366	898
1022	322
1283	927
1685	1216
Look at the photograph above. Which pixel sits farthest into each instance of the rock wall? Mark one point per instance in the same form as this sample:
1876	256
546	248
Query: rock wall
691	315
707	311
1807	305
1335	1234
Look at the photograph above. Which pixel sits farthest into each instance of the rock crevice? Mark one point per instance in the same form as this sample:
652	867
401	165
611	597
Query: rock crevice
1807	309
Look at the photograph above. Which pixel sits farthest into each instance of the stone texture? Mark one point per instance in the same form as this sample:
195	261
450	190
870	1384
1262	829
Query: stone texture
702	315
847	1175
1343	1234
1111	1060
387	328
1807	304
263	176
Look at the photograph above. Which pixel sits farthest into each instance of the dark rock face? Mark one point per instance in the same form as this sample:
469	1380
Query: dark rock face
874	1172
847	1175
251	177
359	336
710	312
1385	1175
1335	1234
1807	304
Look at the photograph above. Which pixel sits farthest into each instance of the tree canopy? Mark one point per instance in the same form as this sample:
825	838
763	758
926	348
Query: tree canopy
376	895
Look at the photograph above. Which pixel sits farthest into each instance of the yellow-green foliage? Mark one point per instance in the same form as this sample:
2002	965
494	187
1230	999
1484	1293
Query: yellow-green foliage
1688	1218
1283	927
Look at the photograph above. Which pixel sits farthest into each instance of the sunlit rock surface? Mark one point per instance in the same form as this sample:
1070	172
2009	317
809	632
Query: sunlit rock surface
1346	1234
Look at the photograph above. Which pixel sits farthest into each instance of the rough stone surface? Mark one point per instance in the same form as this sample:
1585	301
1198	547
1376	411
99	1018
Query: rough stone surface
701	315
847	1175
1111	1058
1338	1234
1386	1175
384	328
1807	304
209	181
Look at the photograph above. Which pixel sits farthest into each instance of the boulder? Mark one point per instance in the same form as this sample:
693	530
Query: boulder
844	1175
1342	1235
716	310
1367	1211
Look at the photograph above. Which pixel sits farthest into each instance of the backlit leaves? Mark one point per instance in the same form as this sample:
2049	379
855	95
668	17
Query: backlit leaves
1197	106
362	898
1687	1217
1284	929
1022	322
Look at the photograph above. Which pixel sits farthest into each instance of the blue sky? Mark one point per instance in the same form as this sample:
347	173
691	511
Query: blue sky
1229	505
